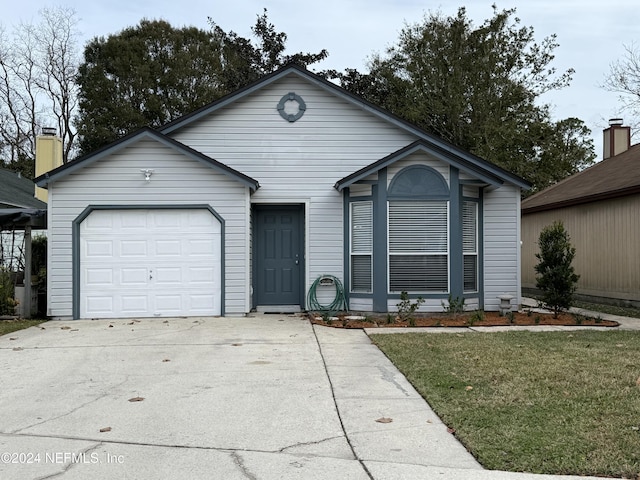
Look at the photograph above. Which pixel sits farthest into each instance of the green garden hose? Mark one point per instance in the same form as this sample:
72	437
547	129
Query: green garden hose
339	302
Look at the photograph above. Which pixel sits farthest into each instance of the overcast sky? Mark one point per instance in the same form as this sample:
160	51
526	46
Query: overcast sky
591	33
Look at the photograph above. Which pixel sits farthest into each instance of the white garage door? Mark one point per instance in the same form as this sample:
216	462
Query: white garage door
150	263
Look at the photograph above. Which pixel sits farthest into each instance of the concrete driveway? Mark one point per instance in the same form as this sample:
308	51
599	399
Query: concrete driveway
266	397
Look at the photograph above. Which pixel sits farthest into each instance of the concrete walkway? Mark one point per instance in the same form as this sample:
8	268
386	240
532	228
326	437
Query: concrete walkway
268	397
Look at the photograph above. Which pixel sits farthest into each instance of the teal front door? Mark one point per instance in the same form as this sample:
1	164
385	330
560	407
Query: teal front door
278	248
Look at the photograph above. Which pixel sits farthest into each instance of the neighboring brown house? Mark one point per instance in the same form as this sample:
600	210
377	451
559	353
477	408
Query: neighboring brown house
600	208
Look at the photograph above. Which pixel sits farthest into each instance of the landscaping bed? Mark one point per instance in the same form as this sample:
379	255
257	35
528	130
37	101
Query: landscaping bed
467	319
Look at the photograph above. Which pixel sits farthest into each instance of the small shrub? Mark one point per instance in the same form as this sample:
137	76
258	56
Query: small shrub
475	317
598	319
455	305
578	318
537	319
390	319
511	316
406	308
7	301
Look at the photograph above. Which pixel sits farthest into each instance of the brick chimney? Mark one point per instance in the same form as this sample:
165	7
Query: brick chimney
617	138
48	156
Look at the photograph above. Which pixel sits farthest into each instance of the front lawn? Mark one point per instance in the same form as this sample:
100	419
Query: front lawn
8	326
548	402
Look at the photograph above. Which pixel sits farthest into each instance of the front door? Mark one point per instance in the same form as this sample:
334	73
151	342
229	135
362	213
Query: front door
278	247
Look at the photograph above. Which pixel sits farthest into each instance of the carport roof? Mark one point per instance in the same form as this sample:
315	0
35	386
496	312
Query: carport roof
17	191
144	133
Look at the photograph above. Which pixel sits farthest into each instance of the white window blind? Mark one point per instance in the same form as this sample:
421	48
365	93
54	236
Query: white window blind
470	245
361	246
418	246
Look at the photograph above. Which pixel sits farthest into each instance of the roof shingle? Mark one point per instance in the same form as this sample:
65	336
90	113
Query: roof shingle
614	177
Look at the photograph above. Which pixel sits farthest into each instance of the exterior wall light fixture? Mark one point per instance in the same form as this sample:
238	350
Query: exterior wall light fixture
147	173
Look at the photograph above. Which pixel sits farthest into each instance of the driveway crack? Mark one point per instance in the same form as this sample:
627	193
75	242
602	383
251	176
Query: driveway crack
314	442
70	412
239	462
81	455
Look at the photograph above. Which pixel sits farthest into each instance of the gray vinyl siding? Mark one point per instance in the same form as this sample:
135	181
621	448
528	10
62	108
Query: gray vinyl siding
501	245
300	162
117	180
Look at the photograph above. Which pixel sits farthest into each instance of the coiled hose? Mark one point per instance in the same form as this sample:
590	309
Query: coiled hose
339	302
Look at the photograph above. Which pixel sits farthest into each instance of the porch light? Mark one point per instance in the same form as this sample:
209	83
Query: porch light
147	173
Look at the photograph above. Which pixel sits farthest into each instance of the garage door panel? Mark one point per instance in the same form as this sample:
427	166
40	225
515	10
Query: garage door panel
168	276
131	220
134	304
199	275
98	223
130	276
99	248
172	304
98	306
100	277
166	219
146	263
204	246
133	248
202	302
168	248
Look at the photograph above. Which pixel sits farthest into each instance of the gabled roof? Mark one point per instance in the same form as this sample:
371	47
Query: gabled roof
431	142
614	177
142	134
483	174
17	191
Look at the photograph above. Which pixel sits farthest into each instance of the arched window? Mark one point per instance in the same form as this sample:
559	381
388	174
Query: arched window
418	231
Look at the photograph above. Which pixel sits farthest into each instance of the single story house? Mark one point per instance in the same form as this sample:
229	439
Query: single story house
246	202
599	209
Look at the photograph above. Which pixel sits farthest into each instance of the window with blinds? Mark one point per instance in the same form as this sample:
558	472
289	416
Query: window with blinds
418	246
361	252
470	245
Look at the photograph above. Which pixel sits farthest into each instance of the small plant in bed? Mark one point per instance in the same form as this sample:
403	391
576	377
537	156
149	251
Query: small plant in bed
407	308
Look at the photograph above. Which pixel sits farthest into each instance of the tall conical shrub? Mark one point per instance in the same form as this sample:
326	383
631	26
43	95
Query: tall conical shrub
556	277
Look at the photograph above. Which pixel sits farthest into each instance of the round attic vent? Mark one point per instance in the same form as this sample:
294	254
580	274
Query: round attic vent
299	108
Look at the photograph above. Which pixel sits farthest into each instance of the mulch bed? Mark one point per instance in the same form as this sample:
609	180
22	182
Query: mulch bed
490	319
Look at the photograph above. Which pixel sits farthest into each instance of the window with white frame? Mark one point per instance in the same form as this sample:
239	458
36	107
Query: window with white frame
361	251
470	245
419	246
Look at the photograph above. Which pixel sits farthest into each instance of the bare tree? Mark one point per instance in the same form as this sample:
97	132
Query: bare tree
624	79
38	67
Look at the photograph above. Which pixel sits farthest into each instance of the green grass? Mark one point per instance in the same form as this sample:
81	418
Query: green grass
611	309
553	402
8	326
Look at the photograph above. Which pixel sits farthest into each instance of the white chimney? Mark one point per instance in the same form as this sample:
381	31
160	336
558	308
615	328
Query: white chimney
617	138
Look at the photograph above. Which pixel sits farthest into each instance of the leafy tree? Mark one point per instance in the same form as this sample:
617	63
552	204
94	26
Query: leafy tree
624	79
246	62
145	75
38	65
153	73
556	277
479	89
